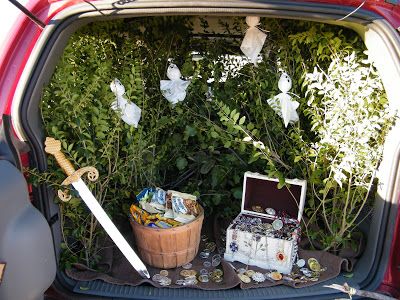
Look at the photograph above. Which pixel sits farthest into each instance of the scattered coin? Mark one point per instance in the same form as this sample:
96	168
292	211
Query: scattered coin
203	278
249	273
203	272
314	265
244	278
164	273
301	263
156	277
165	281
241	270
218	272
206	264
184	273
275	276
204	254
186	266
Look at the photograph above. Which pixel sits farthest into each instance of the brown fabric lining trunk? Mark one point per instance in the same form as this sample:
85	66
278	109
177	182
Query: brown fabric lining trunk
117	270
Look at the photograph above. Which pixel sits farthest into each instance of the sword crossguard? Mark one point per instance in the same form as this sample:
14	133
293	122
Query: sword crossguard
53	147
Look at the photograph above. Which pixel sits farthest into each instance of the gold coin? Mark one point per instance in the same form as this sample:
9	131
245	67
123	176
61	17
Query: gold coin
275	276
164	273
184	273
218	272
249	273
244	278
192	273
314	265
257	208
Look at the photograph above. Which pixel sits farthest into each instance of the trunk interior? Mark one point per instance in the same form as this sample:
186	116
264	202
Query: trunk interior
382	43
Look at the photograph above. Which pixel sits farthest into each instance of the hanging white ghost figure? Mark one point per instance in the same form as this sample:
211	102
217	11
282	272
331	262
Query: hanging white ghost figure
282	103
174	89
130	112
253	40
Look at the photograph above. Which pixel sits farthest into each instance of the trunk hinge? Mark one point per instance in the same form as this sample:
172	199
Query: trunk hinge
28	13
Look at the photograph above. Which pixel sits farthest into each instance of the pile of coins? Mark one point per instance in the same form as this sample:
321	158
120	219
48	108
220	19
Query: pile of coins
281	228
300	273
248	276
162	278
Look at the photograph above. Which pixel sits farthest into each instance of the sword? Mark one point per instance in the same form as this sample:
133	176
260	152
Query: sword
53	147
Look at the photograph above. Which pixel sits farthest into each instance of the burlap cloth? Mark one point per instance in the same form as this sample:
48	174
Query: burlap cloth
117	270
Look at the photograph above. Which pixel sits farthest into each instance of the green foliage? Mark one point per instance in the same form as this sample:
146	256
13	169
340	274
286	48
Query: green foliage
205	144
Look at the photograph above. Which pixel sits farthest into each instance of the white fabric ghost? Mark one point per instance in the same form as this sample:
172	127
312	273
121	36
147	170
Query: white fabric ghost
130	112
174	89
253	40
282	103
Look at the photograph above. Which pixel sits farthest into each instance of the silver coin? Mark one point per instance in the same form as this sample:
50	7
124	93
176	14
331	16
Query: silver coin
301	263
277	224
241	270
187	266
215	262
204	254
203	272
165	281
206	264
180	281
156	277
270	211
203	278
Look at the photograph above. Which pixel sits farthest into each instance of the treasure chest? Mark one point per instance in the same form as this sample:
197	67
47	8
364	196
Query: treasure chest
267	230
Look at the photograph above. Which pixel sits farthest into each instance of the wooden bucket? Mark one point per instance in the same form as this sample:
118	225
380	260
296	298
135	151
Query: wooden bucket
170	247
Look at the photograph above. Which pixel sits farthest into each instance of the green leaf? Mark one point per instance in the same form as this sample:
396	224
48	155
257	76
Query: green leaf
242	120
181	163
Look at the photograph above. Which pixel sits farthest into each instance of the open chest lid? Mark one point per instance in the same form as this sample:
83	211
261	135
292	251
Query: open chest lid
260	190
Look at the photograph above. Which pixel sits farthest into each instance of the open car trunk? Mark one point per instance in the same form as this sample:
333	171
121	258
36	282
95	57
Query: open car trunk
383	45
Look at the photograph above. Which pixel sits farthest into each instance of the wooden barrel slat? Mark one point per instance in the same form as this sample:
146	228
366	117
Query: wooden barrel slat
168	248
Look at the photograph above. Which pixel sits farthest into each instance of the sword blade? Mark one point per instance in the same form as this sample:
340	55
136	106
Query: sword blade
110	227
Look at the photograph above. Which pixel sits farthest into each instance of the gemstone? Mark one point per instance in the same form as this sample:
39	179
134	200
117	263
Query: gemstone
280	256
234	247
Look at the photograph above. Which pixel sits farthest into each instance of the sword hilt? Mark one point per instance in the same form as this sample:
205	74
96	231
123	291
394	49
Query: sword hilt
53	147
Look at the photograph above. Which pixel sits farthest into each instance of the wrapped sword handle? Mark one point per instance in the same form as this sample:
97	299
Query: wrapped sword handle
53	147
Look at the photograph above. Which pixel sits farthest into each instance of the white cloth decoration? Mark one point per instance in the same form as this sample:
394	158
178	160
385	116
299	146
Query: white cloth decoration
282	103
174	89
253	40
130	112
